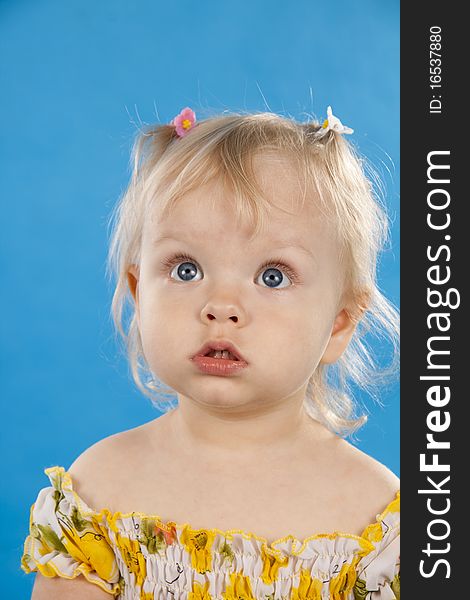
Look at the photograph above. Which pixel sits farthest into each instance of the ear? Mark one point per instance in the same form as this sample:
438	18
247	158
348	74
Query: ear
133	275
341	334
343	328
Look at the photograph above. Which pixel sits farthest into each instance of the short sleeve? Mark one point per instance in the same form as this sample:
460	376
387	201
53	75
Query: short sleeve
379	570
66	541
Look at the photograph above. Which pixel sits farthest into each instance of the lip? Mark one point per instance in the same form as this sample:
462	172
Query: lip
219	366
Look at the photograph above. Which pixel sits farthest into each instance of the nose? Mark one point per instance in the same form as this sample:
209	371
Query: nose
221	311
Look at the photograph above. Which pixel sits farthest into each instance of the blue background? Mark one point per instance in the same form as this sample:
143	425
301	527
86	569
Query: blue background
77	77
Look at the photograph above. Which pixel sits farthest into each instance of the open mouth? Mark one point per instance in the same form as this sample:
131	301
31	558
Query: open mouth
219	361
222	354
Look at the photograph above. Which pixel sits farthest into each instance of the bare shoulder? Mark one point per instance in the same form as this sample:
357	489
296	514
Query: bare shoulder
46	588
100	472
371	483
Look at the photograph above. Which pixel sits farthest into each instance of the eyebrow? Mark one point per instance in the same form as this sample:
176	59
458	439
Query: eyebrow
281	243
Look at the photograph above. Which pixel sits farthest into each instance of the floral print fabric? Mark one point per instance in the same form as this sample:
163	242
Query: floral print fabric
140	557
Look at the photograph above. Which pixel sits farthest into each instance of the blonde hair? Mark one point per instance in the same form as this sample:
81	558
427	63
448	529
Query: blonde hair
165	166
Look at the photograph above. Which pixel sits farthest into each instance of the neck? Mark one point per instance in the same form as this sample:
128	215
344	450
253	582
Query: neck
244	433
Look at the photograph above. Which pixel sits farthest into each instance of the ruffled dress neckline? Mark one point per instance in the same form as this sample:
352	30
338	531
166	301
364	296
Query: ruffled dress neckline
293	545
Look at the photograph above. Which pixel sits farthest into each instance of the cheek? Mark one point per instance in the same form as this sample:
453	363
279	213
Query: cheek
314	337
295	335
164	329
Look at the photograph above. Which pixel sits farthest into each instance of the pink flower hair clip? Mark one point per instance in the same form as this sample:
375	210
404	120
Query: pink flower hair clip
184	122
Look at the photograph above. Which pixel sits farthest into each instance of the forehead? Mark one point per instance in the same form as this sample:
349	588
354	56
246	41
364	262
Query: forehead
213	209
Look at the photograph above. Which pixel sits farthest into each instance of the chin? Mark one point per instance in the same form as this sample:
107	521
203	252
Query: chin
218	395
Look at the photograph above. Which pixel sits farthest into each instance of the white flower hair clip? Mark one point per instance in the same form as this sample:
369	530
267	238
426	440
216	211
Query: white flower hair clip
332	123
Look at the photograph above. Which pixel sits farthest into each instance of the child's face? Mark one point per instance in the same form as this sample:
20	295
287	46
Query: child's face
283	330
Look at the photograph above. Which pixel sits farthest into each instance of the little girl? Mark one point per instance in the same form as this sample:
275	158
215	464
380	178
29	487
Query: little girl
247	245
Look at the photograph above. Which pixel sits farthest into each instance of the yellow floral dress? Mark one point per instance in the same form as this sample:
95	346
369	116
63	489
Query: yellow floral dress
140	557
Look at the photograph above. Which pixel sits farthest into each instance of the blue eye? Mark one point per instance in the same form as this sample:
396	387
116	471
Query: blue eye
273	275
186	270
